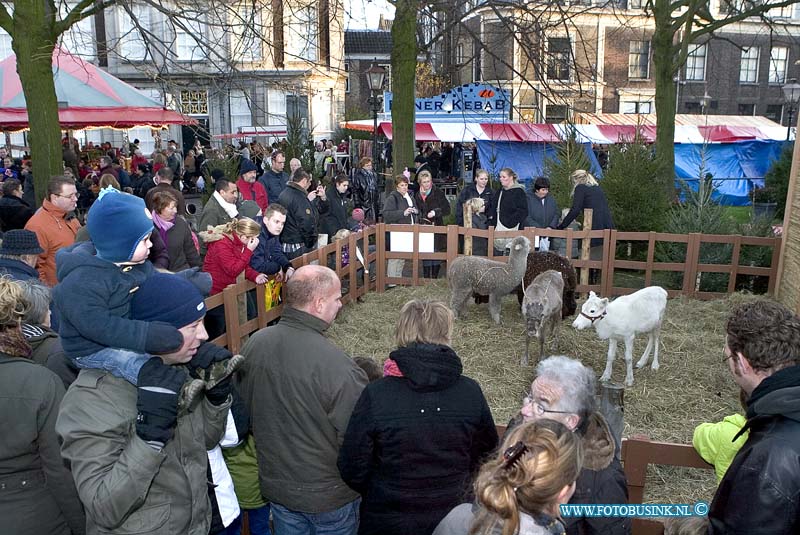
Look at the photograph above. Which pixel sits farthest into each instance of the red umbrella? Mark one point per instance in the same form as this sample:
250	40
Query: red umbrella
87	96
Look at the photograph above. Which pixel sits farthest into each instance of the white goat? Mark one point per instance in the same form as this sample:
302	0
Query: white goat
621	320
541	308
468	274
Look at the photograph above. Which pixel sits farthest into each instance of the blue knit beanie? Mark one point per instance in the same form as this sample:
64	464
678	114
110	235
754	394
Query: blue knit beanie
117	222
245	166
168	298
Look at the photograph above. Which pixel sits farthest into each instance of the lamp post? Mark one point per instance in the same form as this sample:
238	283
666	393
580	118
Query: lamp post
705	103
375	78
791	92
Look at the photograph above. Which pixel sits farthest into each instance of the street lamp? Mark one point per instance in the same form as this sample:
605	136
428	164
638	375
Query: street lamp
705	102
791	92
375	78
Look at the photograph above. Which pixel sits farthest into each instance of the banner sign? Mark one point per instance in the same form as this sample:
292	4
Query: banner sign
475	102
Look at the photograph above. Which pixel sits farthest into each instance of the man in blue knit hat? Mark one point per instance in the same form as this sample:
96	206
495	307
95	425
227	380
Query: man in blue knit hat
140	467
97	281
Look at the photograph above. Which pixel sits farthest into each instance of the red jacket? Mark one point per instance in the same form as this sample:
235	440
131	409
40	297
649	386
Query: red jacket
225	260
253	192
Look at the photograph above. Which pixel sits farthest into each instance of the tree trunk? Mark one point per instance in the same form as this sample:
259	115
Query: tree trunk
35	43
404	63
664	66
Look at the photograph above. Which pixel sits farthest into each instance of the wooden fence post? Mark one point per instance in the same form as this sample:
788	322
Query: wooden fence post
467	224
231	308
452	243
612	406
380	257
586	244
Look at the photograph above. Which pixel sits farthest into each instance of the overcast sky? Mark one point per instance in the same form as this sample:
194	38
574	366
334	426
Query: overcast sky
364	14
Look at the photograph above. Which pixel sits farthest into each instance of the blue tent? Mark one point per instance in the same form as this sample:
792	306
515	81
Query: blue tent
525	158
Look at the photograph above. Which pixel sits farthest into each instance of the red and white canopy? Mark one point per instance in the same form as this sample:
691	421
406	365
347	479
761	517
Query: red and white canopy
605	134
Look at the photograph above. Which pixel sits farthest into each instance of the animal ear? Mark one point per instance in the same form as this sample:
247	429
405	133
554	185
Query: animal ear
592	294
604	301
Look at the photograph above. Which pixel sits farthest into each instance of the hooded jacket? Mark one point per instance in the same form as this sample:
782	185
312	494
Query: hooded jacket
414	442
269	257
226	258
760	493
55	230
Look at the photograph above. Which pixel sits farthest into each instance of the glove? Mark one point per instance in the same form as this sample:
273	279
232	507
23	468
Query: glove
220	392
157	414
206	355
162	338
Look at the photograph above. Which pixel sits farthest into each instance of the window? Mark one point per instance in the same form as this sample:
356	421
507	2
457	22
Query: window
555	114
637	107
187	46
5	45
696	62
131	45
346	77
194	102
785	12
79	38
276	107
639	59
240	110
301	34
387	82
560	57
778	56
775	112
245	40
635	4
748	70
460	57
692	107
747	109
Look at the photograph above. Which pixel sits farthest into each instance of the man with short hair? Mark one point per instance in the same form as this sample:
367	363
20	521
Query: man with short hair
302	214
138	466
18	255
564	390
173	160
55	225
222	207
268	257
163	182
274	180
301	389
14	210
106	167
760	492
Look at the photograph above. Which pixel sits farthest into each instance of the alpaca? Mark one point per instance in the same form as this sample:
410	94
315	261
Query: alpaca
541	309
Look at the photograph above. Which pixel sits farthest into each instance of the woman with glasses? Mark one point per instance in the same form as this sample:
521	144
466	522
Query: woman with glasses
564	390
417	436
520	490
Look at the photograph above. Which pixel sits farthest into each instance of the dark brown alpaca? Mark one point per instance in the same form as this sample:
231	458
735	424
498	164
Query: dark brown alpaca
539	262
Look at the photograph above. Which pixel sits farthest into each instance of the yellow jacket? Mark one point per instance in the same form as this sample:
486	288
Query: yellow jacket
714	442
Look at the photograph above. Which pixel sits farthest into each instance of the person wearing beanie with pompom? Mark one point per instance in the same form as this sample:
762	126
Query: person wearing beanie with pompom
97	281
139	465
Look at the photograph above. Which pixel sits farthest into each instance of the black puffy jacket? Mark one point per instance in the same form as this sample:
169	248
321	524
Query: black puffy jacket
414	442
760	493
302	216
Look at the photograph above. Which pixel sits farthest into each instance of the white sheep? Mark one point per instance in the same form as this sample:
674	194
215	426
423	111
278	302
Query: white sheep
468	274
541	308
621	320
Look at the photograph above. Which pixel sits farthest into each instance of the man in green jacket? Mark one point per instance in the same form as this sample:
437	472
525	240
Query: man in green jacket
137	466
300	390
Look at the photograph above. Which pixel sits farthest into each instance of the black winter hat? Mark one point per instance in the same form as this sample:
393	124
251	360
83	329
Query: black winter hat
20	242
246	166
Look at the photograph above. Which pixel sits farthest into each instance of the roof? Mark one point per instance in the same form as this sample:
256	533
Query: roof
374	42
681	119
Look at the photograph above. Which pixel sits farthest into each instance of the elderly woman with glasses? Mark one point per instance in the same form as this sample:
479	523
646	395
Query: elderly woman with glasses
564	390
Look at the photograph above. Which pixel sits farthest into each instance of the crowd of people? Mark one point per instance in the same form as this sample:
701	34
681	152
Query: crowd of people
120	416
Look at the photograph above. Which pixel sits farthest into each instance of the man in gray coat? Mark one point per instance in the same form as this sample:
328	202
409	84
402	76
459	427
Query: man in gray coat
138	467
300	390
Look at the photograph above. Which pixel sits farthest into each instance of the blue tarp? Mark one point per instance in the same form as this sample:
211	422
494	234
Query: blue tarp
526	159
735	167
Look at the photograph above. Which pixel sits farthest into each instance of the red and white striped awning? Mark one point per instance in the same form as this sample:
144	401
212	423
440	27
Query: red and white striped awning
605	134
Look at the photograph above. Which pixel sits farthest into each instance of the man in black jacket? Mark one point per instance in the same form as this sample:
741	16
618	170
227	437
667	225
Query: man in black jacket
302	214
760	492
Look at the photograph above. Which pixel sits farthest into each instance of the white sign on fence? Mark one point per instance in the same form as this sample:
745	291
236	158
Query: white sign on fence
403	242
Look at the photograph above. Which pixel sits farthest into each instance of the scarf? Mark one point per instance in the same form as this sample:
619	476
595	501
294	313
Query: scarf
390	369
229	208
424	194
162	225
14	344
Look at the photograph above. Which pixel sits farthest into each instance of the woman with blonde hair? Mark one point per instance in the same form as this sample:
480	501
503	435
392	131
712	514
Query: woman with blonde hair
510	208
520	490
230	247
417	435
586	193
38	492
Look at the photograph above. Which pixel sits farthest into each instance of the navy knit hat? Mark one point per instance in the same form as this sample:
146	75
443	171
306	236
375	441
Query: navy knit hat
168	298
20	242
117	222
246	166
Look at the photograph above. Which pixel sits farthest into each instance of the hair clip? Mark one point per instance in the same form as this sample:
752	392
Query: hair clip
513	453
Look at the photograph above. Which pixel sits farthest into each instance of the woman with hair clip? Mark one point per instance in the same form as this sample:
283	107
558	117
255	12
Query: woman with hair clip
519	491
417	436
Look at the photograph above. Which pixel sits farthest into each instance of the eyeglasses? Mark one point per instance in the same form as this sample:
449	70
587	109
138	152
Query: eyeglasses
538	408
70	196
